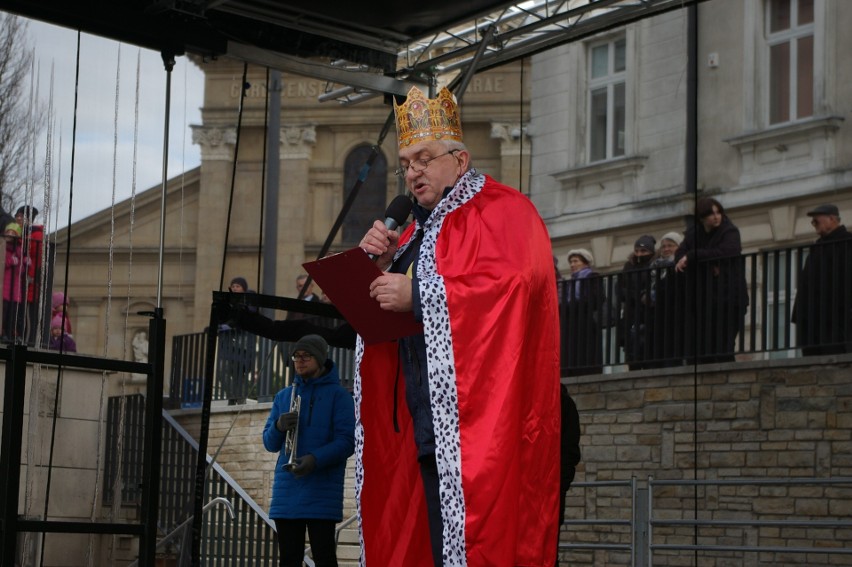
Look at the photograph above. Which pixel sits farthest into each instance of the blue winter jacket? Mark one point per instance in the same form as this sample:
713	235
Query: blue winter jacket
327	431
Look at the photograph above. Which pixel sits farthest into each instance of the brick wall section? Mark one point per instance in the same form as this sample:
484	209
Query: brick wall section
756	420
753	420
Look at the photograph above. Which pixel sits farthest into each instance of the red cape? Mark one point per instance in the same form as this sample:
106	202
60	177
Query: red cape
491	323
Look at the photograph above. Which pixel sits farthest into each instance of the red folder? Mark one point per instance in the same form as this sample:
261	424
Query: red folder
345	278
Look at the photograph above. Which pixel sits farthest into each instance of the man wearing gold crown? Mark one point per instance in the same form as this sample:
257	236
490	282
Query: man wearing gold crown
481	383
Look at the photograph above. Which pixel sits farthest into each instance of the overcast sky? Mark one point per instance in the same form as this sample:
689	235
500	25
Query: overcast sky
104	146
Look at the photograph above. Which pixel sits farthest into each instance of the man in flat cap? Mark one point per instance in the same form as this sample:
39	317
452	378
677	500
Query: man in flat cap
823	309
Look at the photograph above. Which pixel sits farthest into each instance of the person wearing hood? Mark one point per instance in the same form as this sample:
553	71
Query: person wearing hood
59	306
633	294
711	258
59	339
307	492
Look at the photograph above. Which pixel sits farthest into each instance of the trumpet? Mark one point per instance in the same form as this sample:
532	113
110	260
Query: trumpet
291	439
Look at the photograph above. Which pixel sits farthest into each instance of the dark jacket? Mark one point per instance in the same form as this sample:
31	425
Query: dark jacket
570	453
583	314
715	259
327	431
823	308
634	304
63	342
715	292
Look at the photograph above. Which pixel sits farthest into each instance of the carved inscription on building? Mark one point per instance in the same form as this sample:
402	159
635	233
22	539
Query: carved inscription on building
311	89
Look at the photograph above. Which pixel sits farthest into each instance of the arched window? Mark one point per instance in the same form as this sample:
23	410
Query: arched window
369	205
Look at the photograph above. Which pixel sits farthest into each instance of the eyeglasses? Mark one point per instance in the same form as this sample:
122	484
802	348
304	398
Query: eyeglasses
419	165
304	357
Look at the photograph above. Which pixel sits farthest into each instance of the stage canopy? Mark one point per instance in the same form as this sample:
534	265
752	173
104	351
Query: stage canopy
360	48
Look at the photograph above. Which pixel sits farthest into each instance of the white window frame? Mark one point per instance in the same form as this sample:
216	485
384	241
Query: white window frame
609	81
756	63
789	36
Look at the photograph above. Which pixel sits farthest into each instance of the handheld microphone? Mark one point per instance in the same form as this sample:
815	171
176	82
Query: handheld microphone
396	214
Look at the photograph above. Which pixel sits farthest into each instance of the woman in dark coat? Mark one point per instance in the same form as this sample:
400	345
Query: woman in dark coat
716	290
581	302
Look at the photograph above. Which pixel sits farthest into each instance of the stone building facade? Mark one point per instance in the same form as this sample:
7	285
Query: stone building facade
322	149
609	122
756	420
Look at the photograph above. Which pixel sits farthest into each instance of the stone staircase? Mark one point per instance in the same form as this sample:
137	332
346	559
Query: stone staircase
348	547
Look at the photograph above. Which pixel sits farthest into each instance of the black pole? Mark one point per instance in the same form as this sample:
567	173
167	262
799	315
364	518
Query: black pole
204	433
153	439
691	187
10	456
273	161
691	165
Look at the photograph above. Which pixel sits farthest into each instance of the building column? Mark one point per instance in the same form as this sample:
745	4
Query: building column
217	155
514	154
297	202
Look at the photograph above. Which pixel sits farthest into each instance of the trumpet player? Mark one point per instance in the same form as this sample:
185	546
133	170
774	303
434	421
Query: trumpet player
307	492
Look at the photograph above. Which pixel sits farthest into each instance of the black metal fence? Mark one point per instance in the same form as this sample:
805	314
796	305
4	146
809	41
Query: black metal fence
783	302
776	303
247	367
247	538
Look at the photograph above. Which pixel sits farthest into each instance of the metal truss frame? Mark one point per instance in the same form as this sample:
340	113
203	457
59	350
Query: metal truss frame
512	32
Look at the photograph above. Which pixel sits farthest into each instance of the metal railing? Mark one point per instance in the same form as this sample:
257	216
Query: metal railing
837	546
645	318
659	530
610	525
247	367
182	531
717	309
239	535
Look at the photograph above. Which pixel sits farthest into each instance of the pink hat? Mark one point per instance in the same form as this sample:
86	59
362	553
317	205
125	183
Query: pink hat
56	321
58	299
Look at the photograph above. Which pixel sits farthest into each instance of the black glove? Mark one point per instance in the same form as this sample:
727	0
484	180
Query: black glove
287	421
304	465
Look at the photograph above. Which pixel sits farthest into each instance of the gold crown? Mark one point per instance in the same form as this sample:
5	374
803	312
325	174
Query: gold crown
420	119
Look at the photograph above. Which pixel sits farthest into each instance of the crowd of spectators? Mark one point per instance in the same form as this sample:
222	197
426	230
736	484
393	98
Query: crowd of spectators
684	300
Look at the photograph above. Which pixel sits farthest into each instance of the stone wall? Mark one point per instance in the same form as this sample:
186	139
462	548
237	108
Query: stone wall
749	422
746	422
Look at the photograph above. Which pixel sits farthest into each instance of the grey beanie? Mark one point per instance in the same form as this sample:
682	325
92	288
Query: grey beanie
314	345
673	236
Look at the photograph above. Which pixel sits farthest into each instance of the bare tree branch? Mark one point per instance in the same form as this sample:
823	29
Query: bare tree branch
21	119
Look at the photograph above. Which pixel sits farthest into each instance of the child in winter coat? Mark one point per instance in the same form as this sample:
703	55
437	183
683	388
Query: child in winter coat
60	341
59	304
14	278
